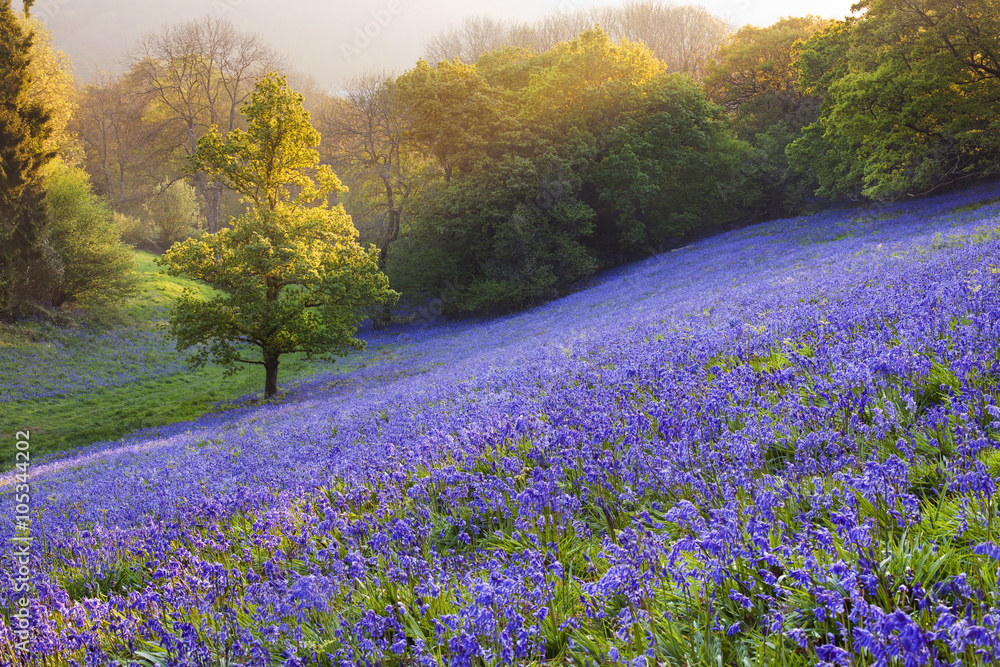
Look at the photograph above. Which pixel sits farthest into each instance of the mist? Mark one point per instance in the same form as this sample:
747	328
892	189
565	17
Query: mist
329	41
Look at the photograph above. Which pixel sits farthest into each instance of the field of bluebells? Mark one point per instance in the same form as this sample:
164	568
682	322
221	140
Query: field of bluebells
773	447
76	361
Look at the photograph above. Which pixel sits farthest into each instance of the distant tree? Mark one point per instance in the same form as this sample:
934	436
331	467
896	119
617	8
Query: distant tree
129	146
458	117
590	83
503	234
291	275
93	263
470	38
911	98
173	215
367	136
684	37
199	73
760	62
366	132
24	130
754	78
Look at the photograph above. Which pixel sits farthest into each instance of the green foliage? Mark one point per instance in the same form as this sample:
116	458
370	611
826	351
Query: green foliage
23	132
290	273
552	165
504	236
74	420
173	215
754	79
93	264
666	170
459	118
589	84
133	230
912	98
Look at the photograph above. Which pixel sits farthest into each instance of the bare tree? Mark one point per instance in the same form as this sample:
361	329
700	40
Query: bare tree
315	98
125	150
365	136
200	73
468	40
561	27
685	37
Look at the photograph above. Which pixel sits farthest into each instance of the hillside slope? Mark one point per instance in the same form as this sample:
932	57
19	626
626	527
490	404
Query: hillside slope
776	446
117	372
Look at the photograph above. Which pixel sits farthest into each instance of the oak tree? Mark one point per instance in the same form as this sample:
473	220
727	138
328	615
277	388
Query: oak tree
290	274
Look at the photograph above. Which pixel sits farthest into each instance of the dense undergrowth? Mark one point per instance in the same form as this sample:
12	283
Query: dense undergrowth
777	446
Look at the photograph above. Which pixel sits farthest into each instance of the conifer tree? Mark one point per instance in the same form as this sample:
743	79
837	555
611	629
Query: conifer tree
23	130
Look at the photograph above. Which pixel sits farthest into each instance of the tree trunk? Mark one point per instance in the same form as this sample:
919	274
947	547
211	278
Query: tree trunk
211	192
213	199
392	233
270	376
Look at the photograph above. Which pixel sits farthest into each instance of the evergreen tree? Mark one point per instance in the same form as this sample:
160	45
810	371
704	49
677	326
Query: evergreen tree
23	129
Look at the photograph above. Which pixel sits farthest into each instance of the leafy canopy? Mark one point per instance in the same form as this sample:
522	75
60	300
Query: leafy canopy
754	78
912	97
290	273
553	164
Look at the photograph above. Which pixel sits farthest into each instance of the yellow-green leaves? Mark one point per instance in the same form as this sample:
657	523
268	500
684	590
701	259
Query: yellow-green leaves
292	274
587	78
275	159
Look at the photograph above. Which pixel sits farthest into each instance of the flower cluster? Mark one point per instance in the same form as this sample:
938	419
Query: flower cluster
81	360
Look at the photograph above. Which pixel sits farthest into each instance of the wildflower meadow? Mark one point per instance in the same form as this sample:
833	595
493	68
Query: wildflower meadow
777	446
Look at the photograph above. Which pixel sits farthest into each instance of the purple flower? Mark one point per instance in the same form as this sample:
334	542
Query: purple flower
987	549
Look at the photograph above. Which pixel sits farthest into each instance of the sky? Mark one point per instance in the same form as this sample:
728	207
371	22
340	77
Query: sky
327	38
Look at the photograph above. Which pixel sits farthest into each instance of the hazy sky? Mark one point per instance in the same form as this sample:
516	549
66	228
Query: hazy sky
321	37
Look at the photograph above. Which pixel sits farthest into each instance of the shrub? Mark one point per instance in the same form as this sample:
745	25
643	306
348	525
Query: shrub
173	215
89	261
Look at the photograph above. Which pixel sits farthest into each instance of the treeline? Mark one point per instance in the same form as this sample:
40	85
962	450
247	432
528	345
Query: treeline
553	165
684	37
516	160
551	161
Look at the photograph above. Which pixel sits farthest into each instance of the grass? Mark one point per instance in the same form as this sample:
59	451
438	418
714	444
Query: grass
62	423
65	423
159	290
976	205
